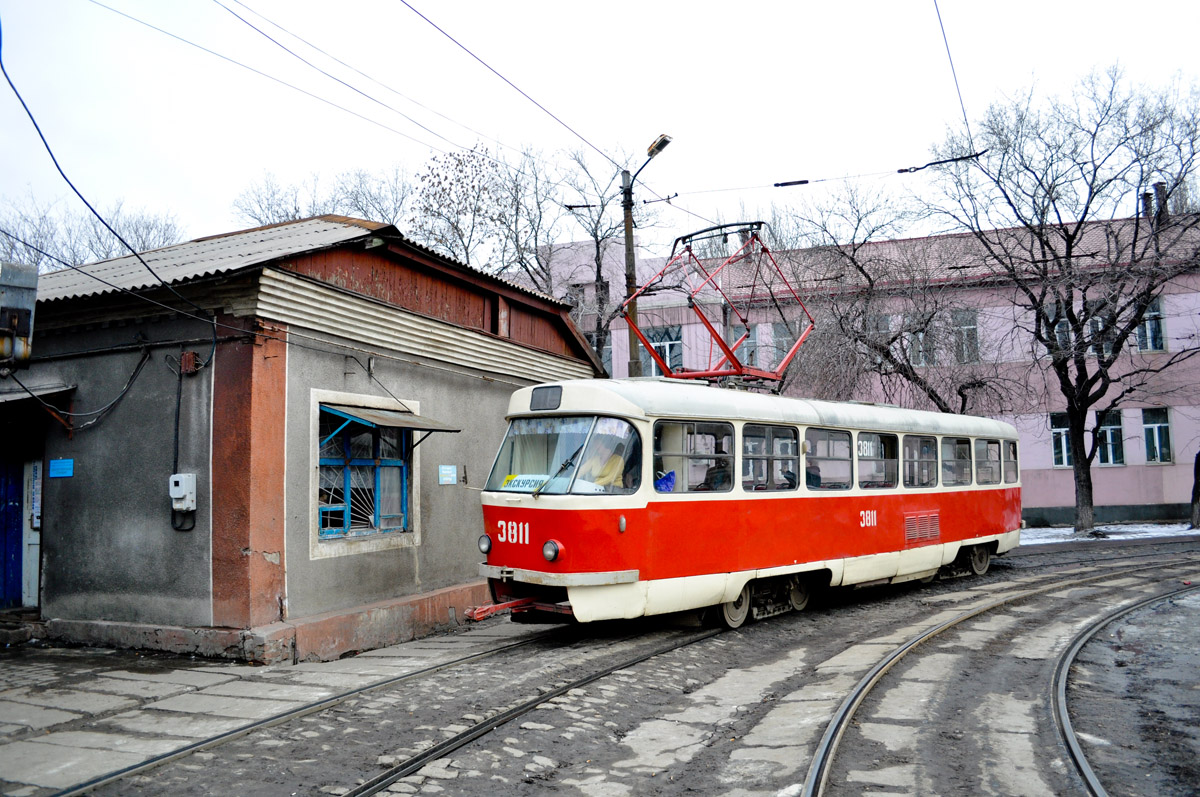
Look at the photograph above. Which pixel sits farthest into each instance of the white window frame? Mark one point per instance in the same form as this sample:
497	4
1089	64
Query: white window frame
1151	328
966	335
319	548
1110	439
1155	432
1061	441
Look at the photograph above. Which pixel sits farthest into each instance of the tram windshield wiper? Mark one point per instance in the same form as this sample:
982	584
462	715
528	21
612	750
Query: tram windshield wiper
566	464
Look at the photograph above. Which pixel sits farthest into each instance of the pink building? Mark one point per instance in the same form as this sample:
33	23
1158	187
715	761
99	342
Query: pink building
967	321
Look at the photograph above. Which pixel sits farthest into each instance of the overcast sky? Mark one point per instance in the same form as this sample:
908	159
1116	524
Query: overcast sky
752	92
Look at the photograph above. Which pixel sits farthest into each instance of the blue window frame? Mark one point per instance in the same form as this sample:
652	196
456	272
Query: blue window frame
365	476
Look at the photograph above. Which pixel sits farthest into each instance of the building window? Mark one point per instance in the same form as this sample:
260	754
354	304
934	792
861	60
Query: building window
828	465
365	476
1101	324
769	457
747	353
1150	331
921	351
966	336
956	461
781	343
1111	443
668	342
1157	431
878	460
878	333
605	353
920	461
1061	327
1059	436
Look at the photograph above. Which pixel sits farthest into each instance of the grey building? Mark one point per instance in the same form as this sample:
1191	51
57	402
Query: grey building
266	444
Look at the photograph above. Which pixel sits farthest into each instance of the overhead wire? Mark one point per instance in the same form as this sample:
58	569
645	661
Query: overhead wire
83	199
514	86
954	73
377	82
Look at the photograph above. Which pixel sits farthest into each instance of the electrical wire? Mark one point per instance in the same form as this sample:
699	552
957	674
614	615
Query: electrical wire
379	83
260	73
98	413
335	78
79	194
511	84
966	121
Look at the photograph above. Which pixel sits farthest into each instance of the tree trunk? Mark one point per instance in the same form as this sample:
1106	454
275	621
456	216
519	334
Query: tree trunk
1196	492
1085	511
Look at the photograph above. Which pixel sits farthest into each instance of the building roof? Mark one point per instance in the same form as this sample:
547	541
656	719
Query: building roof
219	254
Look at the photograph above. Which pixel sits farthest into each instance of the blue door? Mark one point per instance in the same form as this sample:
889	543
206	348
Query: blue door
11	487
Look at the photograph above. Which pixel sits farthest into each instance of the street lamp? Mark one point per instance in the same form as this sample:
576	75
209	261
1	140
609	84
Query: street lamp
635	361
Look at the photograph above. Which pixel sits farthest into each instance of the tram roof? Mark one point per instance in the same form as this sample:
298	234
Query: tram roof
674	398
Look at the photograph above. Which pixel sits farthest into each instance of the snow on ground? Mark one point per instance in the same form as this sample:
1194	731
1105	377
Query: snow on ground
1116	531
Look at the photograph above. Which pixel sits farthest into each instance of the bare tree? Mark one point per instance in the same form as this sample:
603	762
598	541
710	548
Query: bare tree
897	321
1053	208
458	206
599	214
78	237
377	196
269	202
530	222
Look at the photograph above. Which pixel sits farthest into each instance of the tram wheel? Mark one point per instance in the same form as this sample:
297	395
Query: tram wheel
734	613
798	594
979	558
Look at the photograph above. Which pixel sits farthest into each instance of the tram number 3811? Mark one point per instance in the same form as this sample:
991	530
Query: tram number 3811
513	532
868	518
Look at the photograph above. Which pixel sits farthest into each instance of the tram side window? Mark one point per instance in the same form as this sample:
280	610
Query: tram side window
827	464
769	457
987	461
956	460
878	460
920	461
1012	471
693	457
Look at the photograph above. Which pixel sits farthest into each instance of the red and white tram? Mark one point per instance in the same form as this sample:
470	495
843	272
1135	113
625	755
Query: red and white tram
621	498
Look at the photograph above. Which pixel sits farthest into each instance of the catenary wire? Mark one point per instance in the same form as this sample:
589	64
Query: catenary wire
379	83
513	85
79	194
961	104
311	65
259	72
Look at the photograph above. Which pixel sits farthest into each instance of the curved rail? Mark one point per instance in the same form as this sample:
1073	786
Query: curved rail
1062	670
818	771
406	768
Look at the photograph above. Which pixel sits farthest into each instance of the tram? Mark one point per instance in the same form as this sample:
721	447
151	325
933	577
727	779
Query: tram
615	499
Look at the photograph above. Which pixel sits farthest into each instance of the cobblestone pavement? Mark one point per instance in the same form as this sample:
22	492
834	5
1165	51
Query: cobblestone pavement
70	715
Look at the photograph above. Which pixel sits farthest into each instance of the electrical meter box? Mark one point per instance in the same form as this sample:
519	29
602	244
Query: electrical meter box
183	492
18	299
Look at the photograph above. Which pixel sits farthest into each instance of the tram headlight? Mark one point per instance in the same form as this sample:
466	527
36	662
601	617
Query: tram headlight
485	544
552	550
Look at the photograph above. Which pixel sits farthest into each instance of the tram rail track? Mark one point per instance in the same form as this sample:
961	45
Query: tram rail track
1062	673
819	768
287	716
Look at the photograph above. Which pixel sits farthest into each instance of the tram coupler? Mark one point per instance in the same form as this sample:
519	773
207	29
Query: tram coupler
483	612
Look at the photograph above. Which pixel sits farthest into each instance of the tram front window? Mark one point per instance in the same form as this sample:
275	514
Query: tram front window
554	456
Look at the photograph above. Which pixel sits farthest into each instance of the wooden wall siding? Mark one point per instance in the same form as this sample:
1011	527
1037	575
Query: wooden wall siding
538	330
377	276
303	304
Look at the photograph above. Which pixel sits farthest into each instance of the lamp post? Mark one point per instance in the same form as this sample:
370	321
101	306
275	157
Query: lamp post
660	143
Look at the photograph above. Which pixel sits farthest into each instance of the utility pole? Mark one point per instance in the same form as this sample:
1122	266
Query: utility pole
631	285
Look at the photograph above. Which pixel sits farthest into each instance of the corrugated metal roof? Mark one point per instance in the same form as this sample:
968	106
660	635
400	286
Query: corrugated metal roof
218	254
202	257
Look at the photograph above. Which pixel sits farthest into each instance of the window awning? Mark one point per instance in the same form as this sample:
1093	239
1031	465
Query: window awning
395	418
37	390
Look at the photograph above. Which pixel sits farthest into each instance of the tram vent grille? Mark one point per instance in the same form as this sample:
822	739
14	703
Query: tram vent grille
921	529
